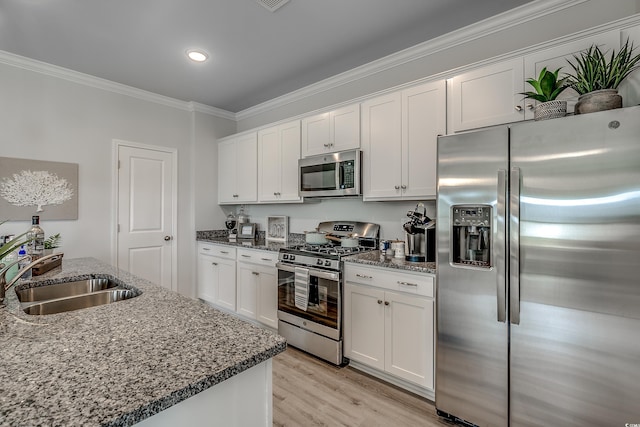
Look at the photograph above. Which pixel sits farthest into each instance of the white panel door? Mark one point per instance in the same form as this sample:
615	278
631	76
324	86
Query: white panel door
247	283
316	134
289	155
269	164
345	128
364	325
146	198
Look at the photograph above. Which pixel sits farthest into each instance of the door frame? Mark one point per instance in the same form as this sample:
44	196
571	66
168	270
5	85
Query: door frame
116	144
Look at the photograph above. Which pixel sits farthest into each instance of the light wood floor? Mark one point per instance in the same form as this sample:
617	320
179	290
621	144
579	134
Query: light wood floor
310	392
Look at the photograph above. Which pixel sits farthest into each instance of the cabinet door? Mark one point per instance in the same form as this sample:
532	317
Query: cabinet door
556	57
269	164
409	338
225	275
247	289
423	119
267	303
247	168
206	278
316	134
382	147
488	96
227	171
289	156
345	128
629	89
364	325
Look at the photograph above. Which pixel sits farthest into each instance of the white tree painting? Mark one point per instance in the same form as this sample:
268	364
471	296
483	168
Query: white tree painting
35	188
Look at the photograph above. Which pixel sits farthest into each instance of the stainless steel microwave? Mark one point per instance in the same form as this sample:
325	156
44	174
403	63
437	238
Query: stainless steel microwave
331	175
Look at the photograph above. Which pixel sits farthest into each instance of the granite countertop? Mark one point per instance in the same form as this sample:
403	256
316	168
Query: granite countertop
221	237
117	364
376	259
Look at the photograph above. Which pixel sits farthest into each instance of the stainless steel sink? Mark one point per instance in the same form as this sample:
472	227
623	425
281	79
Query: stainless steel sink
62	290
78	302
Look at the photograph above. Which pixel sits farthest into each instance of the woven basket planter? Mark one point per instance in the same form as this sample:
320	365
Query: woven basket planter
550	110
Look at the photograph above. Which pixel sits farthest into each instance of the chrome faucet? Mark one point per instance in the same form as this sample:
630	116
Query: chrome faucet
4	286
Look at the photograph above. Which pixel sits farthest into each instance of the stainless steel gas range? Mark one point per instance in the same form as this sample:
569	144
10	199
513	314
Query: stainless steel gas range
310	288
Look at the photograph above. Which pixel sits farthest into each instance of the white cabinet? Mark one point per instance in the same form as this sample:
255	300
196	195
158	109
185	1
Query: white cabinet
492	95
258	286
217	275
389	322
630	87
488	96
399	139
336	130
238	169
278	154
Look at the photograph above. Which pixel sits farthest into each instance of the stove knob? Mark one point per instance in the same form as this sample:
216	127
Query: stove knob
292	257
285	256
319	262
327	263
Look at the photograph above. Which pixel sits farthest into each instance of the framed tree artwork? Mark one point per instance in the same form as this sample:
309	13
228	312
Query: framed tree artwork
37	187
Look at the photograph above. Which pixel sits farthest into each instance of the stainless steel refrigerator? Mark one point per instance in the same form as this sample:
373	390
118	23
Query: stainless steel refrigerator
538	264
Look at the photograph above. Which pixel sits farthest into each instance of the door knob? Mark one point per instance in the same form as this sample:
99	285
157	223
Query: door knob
167	238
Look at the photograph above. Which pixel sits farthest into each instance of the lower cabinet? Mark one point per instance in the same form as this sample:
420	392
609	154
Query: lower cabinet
244	281
389	322
217	275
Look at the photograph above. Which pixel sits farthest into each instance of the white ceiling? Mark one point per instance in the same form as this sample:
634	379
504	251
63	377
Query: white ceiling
256	55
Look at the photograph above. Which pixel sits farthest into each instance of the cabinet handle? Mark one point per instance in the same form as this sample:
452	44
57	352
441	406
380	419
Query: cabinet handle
275	194
206	249
407	283
529	106
246	256
255	273
518	107
397	187
326	145
379	301
404	187
386	303
214	263
364	276
265	259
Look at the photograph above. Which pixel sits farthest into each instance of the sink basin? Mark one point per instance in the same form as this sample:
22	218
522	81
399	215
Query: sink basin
78	302
62	290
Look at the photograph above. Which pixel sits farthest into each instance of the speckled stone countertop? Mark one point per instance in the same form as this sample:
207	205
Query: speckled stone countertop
221	237
375	258
117	364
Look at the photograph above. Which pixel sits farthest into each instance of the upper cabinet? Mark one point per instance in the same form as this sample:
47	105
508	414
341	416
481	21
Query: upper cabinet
492	95
399	139
278	154
238	169
336	130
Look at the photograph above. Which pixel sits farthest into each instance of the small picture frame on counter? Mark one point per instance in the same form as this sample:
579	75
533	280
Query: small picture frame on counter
277	228
247	230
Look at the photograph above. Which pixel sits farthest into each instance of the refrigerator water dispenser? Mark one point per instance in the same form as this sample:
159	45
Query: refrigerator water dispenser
471	243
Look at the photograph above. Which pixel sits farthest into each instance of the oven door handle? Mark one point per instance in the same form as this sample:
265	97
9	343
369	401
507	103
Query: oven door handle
312	271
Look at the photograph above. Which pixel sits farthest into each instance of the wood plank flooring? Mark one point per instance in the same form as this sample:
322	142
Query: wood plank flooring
310	392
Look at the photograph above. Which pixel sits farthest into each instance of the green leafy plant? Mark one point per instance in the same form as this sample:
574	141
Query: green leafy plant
52	241
547	86
593	70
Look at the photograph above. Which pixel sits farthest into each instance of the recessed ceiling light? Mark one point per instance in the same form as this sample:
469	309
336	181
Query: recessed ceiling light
197	55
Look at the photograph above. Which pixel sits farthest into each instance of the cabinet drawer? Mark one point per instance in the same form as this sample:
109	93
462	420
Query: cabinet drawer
221	251
391	279
268	258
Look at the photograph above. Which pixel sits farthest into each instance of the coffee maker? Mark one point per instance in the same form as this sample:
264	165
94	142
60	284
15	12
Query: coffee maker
419	236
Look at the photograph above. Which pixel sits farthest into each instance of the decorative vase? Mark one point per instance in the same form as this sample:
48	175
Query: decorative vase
598	100
550	110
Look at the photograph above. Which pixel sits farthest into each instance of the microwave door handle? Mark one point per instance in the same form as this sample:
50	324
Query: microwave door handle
339	176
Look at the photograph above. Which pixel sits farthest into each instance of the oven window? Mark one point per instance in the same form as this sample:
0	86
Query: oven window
318	177
324	299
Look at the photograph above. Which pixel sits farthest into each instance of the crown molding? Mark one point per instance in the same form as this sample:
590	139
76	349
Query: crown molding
107	85
500	22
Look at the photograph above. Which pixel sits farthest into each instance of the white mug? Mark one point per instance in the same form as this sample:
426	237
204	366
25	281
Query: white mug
398	247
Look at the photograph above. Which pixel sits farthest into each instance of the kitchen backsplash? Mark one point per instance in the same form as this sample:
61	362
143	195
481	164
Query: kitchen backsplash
306	216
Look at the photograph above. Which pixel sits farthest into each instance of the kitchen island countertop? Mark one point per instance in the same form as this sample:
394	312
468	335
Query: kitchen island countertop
119	363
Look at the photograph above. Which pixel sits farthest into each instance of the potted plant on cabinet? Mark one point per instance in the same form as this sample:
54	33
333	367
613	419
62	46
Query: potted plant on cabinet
547	88
596	77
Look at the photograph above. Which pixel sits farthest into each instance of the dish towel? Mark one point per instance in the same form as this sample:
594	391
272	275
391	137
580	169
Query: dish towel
301	283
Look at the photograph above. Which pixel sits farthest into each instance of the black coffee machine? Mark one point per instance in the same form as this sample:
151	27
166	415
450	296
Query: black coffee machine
420	236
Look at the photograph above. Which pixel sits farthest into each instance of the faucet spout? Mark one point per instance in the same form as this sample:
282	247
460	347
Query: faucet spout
4	286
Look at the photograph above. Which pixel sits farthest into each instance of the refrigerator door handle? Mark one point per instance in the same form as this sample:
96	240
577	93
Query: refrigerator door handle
514	250
500	246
